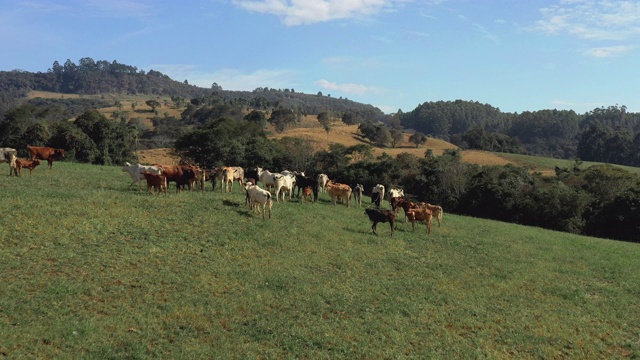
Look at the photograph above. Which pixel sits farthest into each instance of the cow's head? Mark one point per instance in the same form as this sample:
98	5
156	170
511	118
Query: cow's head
59	153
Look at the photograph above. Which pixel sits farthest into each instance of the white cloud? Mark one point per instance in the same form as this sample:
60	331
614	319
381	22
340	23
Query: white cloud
299	12
348	88
230	79
609	51
591	19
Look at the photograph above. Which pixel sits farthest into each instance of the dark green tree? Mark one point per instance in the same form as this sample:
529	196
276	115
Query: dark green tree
282	119
418	138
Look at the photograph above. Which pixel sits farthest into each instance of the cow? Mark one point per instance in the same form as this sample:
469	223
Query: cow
228	175
238	175
339	191
9	155
260	199
305	181
201	178
435	209
180	174
357	194
419	215
253	173
378	189
396	193
404	204
45	153
267	178
135	171
381	216
306	194
24	163
155	181
322	182
284	183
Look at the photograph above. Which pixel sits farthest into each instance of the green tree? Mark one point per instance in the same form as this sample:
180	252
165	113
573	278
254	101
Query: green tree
325	120
396	137
153	104
257	117
382	136
418	138
283	118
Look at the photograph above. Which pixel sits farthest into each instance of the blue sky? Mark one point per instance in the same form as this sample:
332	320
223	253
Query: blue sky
515	55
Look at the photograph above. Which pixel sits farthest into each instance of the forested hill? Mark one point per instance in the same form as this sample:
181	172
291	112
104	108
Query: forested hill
91	77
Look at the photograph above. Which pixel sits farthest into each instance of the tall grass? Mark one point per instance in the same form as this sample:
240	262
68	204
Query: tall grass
90	269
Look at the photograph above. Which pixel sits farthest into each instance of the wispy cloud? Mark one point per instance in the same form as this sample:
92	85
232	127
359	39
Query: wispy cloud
591	19
299	12
348	88
609	51
230	79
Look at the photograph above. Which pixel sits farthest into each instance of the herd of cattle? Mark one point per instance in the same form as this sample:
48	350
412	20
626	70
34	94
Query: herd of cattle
158	177
283	184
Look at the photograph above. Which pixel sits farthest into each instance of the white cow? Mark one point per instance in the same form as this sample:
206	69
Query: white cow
267	178
378	189
396	193
9	155
259	198
284	183
135	171
323	179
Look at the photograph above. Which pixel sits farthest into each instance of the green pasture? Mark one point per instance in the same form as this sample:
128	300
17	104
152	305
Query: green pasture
540	163
92	270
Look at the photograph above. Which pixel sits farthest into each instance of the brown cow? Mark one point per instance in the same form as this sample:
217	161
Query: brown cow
45	153
24	163
155	181
306	194
418	215
180	174
339	191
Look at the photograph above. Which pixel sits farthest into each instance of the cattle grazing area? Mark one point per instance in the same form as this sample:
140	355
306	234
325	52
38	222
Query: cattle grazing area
93	269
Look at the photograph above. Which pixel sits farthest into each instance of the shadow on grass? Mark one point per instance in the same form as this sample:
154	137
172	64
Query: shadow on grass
231	203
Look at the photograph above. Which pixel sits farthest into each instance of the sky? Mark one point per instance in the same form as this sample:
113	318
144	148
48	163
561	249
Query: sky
515	55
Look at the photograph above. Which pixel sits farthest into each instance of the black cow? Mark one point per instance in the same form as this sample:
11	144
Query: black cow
376	199
304	181
382	216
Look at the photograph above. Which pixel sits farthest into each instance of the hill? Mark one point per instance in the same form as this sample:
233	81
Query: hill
117	273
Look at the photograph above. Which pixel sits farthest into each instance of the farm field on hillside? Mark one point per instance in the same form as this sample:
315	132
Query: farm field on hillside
91	269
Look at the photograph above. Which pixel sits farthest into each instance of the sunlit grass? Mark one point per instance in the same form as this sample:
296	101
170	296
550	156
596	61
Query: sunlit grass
93	270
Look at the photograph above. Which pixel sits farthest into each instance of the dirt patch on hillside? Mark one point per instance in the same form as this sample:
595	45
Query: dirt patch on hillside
157	156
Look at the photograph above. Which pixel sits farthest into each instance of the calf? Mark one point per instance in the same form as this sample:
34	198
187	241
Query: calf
419	215
306	194
306	181
156	181
381	216
135	171
24	163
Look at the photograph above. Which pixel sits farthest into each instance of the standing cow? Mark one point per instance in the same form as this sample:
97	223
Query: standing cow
45	153
9	155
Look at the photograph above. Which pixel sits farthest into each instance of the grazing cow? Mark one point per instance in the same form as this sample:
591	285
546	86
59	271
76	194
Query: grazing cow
24	163
306	194
45	153
339	191
267	178
419	215
284	183
260	199
357	193
323	179
135	171
306	181
378	189
405	205
155	181
396	193
238	175
381	216
9	155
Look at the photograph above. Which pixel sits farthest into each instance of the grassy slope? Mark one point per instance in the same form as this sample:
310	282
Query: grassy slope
93	270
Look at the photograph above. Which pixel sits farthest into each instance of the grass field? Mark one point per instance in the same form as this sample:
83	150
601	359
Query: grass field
90	269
